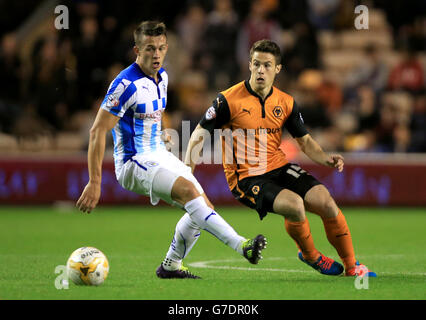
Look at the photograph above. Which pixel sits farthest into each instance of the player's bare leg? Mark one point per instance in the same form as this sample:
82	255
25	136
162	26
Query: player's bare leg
319	201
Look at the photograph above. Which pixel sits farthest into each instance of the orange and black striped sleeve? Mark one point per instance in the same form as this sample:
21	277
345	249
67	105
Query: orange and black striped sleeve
217	115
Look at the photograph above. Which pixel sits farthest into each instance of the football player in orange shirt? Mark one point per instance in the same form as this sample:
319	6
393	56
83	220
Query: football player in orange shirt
255	112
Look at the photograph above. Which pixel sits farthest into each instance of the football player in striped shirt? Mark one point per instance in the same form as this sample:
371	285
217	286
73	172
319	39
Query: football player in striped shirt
132	109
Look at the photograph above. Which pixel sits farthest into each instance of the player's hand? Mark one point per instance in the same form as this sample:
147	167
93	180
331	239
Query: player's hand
336	161
89	197
167	139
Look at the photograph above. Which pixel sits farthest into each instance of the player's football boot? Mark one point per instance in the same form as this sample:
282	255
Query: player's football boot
252	248
359	270
181	273
324	265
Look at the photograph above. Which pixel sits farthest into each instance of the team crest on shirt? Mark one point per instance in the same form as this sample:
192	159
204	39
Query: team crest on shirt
277	111
211	113
255	190
150	163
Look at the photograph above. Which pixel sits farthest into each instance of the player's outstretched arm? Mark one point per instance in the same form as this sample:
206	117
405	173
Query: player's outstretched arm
104	122
314	151
195	146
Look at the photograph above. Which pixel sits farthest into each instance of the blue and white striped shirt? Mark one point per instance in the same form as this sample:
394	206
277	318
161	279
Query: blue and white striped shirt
139	101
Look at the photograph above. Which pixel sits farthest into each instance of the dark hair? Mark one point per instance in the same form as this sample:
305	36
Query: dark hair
268	46
149	28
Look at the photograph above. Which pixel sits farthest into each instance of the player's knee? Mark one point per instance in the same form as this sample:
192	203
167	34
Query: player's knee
329	207
292	209
297	210
319	201
184	191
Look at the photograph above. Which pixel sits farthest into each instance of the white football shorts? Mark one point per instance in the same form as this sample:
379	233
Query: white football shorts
138	173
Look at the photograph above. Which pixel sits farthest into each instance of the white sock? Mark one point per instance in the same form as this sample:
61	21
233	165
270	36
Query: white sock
186	234
211	221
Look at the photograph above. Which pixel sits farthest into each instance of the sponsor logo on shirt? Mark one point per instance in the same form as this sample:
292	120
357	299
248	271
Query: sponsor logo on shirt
211	113
156	115
113	101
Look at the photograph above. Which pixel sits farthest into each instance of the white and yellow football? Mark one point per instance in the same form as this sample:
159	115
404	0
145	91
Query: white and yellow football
87	266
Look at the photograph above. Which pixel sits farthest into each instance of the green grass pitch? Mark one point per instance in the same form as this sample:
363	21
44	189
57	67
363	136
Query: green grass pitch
34	240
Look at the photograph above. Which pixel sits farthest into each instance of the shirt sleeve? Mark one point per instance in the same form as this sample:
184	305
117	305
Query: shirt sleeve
217	115
294	123
120	96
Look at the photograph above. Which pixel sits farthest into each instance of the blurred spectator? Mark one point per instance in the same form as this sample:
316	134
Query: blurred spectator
330	94
364	110
193	96
10	89
322	13
122	50
392	131
219	55
368	117
412	35
407	74
89	51
313	111
385	128
190	29
48	85
372	71
109	34
304	53
402	138
344	17
10	65
418	125
291	12
256	26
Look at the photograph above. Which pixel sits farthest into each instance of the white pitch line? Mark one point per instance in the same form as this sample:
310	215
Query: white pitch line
204	264
207	265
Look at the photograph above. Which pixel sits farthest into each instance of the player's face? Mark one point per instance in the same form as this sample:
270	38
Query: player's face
263	70
151	53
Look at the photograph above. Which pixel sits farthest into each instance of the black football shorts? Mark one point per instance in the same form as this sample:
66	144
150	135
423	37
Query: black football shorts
259	192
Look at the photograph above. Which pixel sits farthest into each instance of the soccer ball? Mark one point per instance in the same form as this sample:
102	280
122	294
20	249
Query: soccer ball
87	266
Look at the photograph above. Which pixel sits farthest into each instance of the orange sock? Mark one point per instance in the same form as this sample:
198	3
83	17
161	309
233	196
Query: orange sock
301	234
339	236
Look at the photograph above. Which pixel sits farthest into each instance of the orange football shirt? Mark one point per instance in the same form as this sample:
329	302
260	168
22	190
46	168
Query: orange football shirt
252	129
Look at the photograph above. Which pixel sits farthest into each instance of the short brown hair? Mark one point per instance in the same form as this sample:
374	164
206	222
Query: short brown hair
268	46
149	28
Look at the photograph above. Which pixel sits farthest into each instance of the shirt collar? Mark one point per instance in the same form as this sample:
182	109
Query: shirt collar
147	76
252	92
